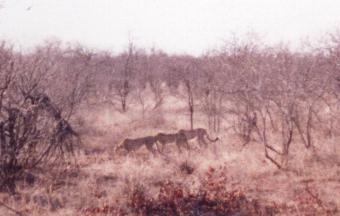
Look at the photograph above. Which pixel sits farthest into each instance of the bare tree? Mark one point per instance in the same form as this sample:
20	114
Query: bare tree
32	131
122	83
185	71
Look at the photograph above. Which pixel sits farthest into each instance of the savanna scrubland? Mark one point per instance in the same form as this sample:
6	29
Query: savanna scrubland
64	110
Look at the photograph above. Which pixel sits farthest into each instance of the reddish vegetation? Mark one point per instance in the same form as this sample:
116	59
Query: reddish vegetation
213	198
174	199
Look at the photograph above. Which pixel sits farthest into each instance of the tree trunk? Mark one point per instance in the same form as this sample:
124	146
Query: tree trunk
190	104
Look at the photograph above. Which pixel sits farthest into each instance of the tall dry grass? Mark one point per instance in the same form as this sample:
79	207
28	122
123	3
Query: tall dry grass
223	178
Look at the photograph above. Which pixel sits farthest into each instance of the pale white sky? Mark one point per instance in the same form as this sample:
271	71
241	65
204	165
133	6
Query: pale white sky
190	26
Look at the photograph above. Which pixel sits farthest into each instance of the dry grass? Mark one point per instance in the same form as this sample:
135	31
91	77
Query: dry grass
224	179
